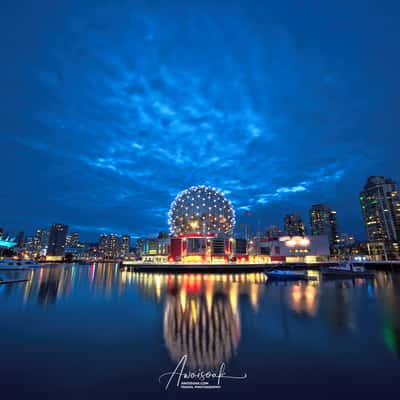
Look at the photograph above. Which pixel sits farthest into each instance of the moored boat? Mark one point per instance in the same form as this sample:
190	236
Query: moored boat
291	275
12	264
347	270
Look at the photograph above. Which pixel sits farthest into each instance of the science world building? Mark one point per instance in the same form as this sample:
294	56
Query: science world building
201	221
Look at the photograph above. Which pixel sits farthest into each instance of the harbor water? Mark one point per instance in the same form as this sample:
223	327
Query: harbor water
95	330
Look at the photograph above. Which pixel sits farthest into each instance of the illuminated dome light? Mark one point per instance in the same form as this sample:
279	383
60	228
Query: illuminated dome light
304	242
295	241
201	209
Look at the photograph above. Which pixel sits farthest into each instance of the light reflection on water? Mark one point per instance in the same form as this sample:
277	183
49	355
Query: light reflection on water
201	312
240	319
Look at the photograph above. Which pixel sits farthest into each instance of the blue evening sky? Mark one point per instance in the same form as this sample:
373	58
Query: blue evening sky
110	108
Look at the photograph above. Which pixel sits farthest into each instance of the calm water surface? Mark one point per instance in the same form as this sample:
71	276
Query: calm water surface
97	331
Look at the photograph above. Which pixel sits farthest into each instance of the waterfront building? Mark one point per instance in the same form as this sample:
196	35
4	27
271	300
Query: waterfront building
125	245
68	240
112	246
139	247
82	252
380	206
294	225
93	250
75	239
273	231
154	250
57	237
102	245
323	221
258	250
109	246
309	249
29	244
20	239
345	245
346	239
40	242
359	251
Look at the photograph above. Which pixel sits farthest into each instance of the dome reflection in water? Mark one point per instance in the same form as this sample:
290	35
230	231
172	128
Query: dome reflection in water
201	313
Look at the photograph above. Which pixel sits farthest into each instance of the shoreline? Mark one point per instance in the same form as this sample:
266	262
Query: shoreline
230	268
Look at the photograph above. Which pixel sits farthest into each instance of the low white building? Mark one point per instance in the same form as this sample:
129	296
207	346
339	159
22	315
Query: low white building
305	249
296	248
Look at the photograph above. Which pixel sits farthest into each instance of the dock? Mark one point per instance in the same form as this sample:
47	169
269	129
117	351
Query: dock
240	268
188	268
14	269
13	281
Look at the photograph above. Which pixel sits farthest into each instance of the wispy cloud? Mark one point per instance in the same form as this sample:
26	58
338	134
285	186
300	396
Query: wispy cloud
127	114
321	176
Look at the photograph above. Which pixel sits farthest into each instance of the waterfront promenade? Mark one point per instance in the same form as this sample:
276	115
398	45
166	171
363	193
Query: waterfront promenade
232	267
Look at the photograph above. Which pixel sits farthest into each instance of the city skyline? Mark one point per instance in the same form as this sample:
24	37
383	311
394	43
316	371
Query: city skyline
291	223
107	116
322	219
